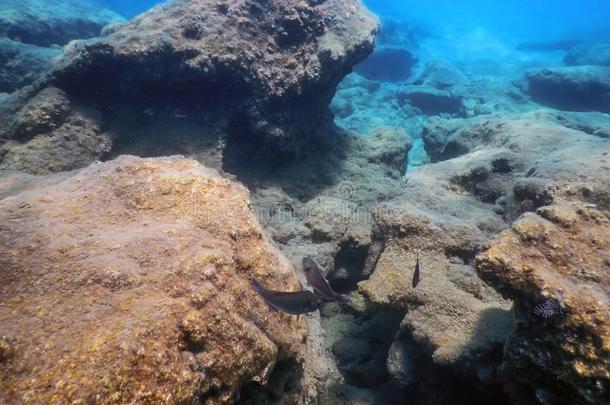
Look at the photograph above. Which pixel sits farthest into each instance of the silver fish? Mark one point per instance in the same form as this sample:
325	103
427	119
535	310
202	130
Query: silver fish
294	303
320	285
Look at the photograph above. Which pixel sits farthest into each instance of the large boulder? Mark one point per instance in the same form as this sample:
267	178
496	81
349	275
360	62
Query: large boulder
555	265
574	88
259	75
129	281
453	321
387	65
53	22
271	67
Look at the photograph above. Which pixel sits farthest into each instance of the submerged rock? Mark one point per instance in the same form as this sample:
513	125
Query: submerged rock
441	75
262	75
432	101
128	281
589	54
455	324
560	254
22	64
53	22
50	134
387	64
575	88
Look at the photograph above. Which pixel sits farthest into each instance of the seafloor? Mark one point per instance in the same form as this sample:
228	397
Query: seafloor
150	168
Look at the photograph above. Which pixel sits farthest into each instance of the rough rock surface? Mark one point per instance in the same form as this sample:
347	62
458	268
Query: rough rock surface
53	22
445	212
574	88
262	75
321	206
49	133
271	68
560	253
128	281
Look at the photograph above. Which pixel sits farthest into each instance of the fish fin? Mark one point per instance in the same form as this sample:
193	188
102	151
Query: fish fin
255	284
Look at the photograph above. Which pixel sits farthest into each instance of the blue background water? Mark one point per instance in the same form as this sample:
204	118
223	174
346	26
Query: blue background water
511	20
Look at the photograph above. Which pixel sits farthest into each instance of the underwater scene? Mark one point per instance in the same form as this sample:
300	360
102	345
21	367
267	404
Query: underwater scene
327	202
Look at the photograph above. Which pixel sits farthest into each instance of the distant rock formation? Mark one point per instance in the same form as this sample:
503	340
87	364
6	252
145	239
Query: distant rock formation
53	22
129	281
574	88
32	31
589	54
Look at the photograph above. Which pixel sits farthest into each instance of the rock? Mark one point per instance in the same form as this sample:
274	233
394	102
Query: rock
360	345
562	254
401	362
387	64
438	137
272	72
120	283
49	134
440	75
523	171
575	88
22	64
56	22
444	214
320	205
431	101
592	123
589	54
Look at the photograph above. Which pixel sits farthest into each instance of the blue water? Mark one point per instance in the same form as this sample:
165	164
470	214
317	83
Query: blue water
510	20
128	8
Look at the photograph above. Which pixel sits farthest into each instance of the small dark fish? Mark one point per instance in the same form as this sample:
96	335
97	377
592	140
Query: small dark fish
294	303
320	285
546	309
416	273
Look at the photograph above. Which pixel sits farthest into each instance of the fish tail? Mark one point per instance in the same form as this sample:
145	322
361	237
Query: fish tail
256	286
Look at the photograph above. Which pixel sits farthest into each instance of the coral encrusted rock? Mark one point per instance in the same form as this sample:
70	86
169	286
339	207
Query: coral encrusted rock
129	282
555	265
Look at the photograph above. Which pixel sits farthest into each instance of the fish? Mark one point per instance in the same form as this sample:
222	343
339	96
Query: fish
550	308
315	278
293	303
546	309
416	273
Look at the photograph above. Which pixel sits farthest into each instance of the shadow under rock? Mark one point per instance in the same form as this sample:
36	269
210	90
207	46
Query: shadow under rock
320	164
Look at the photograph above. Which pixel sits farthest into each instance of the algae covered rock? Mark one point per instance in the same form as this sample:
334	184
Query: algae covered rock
271	67
48	133
128	281
555	264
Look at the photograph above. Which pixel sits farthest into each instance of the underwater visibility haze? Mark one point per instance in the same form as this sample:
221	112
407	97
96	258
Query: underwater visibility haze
305	202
